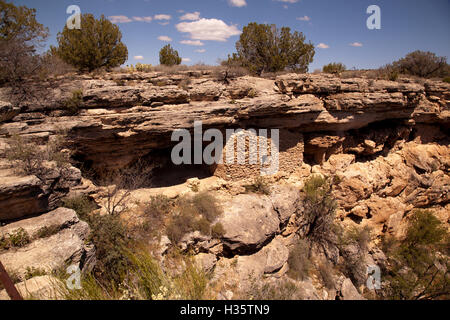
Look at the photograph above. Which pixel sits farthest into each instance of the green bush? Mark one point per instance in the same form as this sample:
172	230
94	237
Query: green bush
335	68
422	64
82	205
358	236
141	67
48	231
16	239
447	79
418	264
20	37
192	283
265	48
179	225
73	104
169	56
32	272
144	280
319	208
353	247
109	236
96	45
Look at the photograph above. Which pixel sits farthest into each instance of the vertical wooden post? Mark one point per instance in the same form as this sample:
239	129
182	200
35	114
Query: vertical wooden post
8	284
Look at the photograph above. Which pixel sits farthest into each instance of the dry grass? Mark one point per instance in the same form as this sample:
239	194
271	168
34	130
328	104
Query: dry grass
195	213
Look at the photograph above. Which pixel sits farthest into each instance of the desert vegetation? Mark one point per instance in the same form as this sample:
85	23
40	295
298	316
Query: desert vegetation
168	56
335	68
265	48
86	49
87	177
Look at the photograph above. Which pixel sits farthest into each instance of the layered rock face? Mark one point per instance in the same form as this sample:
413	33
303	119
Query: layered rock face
67	244
386	142
120	123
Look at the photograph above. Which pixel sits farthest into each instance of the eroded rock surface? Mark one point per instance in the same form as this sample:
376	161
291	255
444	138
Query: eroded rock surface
66	245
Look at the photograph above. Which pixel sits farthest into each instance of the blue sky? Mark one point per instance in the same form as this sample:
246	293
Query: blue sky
206	30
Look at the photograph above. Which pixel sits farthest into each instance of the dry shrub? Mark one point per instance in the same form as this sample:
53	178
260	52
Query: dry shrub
118	185
28	157
196	213
185	83
299	262
260	185
207	206
15	239
281	290
48	231
326	273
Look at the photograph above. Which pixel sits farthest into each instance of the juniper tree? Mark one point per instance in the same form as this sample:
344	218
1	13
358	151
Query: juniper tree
265	48
169	56
98	44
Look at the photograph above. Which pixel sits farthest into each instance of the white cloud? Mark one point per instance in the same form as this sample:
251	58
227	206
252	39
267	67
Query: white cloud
165	38
237	3
143	19
323	46
119	19
186	60
164	23
162	17
304	18
356	44
200	50
192	42
208	29
125	19
288	1
138	58
191	16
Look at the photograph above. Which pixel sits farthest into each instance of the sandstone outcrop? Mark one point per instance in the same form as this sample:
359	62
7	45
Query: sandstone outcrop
22	196
65	246
386	142
36	288
140	117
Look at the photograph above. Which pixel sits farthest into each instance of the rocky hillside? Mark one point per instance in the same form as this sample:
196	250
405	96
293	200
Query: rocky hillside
384	143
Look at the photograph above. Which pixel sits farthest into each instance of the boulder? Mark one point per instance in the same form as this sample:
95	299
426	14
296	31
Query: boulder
249	222
349	292
21	196
268	260
68	245
7	111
